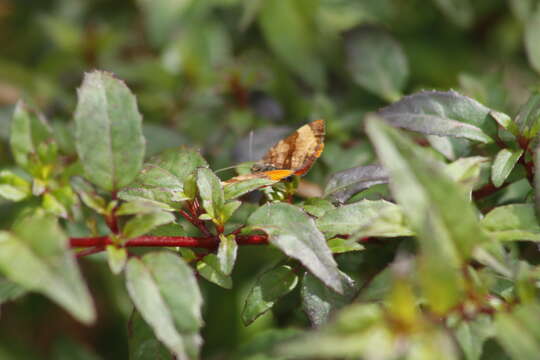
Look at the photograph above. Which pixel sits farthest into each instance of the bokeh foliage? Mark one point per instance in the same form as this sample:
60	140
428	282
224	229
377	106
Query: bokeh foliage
206	73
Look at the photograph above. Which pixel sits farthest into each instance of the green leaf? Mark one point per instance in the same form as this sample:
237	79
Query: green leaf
210	269
296	234
519	332
28	131
439	212
117	258
444	114
237	189
13	187
268	289
377	62
162	17
371	218
471	336
528	117
227	253
136	207
142	224
460	12
345	184
466	171
503	165
319	302
293	38
51	204
165	292
211	193
317	206
229	209
9	291
142	342
532	46
523	9
165	177
108	131
340	246
36	257
512	222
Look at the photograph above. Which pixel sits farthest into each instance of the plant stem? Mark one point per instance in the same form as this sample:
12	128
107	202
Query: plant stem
98	243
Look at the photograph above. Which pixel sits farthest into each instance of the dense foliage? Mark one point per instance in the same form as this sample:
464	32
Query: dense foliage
412	237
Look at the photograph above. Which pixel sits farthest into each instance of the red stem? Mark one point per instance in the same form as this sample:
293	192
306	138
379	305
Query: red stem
173	241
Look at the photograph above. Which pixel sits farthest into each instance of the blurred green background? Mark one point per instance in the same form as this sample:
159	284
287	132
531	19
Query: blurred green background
206	73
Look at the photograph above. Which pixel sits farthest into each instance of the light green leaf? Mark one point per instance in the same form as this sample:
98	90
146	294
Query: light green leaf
136	207
512	222
165	292
227	253
13	187
36	257
317	206
9	290
532	43
503	165
108	131
28	131
166	178
296	234
51	204
377	62
142	224
269	288
319	302
439	212
162	18
340	246
519	331
211	193
117	258
371	218
229	209
239	188
471	336
210	269
289	29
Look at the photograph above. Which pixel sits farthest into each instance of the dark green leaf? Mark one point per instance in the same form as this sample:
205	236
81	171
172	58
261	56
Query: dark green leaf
164	290
108	131
528	118
296	234
371	218
142	224
13	187
377	62
503	165
460	12
142	342
269	287
28	131
319	302
512	222
210	269
165	177
444	114
317	206
36	257
137	207
288	27
344	184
